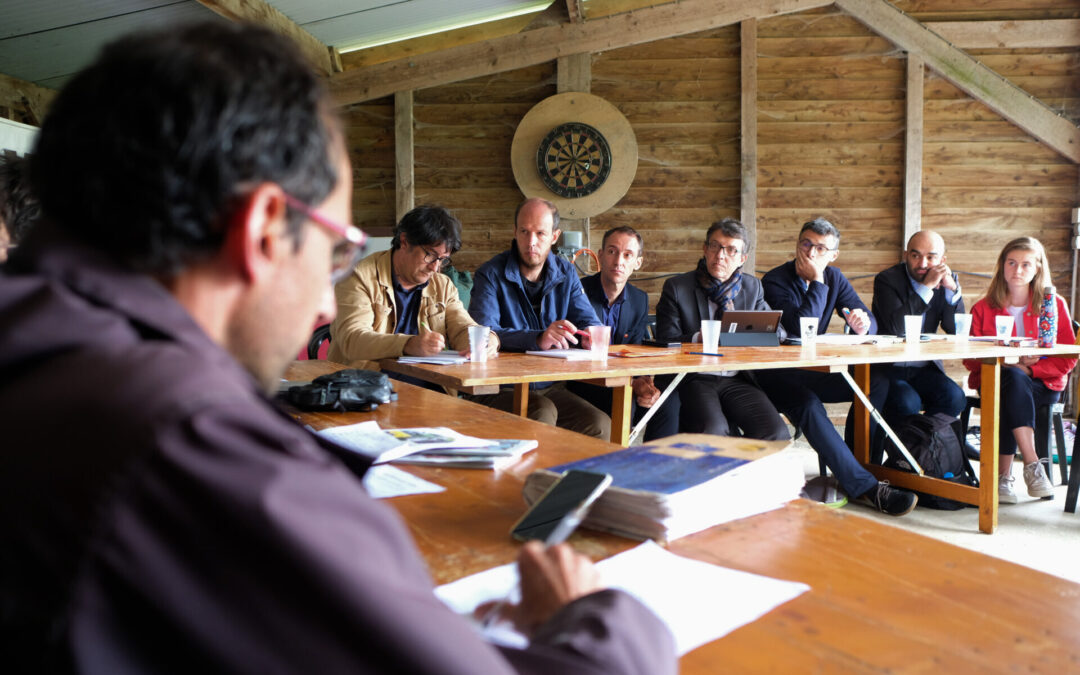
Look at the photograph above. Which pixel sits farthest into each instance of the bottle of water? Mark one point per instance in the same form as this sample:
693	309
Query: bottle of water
1048	318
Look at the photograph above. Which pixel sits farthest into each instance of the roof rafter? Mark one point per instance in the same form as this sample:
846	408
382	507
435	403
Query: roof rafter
258	11
549	43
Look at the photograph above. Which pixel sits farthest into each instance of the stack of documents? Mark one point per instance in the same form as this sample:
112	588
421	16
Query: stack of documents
683	484
448	357
427	445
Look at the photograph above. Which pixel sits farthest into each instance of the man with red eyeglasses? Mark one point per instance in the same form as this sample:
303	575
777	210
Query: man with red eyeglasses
397	302
158	513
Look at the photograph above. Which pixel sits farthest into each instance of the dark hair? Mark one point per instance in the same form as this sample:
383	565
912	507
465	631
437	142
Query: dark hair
624	229
551	207
822	227
428	226
147	153
19	208
729	227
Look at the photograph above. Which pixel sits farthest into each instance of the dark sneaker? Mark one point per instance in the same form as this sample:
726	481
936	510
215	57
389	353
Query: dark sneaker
890	500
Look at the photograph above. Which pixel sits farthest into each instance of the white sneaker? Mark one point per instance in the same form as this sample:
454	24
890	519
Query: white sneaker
1038	484
1006	494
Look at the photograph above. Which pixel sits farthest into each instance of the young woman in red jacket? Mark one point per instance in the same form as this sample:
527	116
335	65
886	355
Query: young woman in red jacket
1017	290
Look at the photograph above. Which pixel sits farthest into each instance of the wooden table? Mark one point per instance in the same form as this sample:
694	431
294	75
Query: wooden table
521	369
881	598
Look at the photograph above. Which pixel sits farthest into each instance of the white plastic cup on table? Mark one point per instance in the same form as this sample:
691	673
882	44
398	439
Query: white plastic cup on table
963	326
600	340
710	336
913	328
478	337
1004	327
808	326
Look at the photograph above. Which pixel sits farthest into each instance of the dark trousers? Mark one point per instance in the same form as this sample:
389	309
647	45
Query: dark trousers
729	406
915	389
1021	396
801	395
664	423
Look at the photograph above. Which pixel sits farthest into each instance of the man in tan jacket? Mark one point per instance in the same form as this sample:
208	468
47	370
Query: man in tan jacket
396	303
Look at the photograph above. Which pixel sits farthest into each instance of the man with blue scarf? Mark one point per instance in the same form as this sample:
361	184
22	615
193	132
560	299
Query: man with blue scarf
727	403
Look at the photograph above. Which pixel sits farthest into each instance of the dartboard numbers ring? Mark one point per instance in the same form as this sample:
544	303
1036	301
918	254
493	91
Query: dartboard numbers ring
573	160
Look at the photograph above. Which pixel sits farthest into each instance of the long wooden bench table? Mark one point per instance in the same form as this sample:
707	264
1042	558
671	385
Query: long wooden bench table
881	599
520	370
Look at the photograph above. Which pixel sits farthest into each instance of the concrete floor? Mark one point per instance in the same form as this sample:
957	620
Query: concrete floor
1035	533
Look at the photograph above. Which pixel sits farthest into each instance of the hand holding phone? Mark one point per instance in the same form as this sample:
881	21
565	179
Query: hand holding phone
561	508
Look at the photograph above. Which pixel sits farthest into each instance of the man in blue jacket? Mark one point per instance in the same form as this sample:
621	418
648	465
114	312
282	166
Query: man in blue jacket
625	308
808	286
533	300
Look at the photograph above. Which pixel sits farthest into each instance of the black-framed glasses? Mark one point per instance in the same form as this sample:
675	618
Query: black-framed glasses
431	257
346	253
714	248
821	249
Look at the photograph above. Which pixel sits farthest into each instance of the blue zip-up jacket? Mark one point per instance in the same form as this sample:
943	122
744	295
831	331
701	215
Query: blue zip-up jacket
499	301
784	290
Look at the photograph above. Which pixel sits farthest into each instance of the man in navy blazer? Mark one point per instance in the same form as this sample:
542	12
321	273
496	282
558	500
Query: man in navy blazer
922	284
808	286
625	308
726	403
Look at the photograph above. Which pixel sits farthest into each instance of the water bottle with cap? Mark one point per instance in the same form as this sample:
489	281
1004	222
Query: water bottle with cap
1048	318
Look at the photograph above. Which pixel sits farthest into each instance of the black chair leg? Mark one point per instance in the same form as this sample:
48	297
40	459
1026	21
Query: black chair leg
1074	480
1043	426
1059	438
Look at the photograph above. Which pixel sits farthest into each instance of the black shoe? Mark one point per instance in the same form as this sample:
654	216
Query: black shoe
971	452
890	500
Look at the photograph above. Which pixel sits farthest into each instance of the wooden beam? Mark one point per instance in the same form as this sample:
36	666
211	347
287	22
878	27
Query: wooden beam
749	159
913	148
547	44
404	166
575	11
20	94
574	73
1037	34
981	83
260	12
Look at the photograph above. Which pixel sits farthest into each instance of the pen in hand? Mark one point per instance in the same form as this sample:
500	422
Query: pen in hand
558	535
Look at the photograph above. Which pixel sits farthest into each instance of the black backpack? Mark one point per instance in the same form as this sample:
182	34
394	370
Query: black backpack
933	442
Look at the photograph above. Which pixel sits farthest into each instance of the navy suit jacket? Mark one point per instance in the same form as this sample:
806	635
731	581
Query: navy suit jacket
895	298
632	317
683	304
784	291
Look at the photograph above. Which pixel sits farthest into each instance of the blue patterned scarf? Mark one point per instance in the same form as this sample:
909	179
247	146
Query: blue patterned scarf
720	292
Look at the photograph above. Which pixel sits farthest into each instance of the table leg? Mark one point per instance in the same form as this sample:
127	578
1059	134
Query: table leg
988	445
521	399
620	414
862	414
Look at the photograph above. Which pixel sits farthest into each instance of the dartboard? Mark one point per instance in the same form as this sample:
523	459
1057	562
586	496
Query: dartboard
573	160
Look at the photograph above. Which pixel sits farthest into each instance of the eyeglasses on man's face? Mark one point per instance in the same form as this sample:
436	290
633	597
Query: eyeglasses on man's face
715	248
347	252
821	249
432	257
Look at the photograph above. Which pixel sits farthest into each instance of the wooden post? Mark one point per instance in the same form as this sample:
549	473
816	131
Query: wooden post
913	149
404	187
574	73
749	159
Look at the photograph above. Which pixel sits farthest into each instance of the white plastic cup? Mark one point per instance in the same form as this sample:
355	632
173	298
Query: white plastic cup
1004	326
963	327
913	328
808	326
710	336
600	340
478	338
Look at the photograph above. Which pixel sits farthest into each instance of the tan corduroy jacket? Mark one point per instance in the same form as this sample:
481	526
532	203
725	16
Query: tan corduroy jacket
367	315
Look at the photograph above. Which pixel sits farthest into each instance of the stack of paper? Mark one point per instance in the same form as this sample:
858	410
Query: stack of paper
568	354
500	454
448	357
683	484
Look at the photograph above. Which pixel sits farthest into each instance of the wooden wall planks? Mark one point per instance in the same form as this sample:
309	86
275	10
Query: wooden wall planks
831	122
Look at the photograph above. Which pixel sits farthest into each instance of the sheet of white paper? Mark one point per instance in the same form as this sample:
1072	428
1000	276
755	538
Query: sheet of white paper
698	601
568	354
384	481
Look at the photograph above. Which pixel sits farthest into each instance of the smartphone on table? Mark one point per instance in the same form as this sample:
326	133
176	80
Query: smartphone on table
561	507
